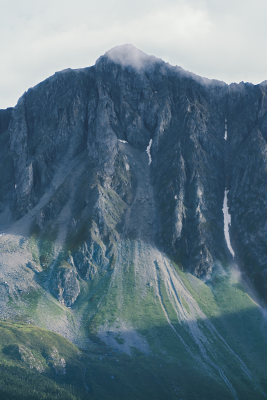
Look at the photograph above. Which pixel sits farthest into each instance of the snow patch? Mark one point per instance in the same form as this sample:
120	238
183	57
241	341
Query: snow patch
148	152
227	222
225	130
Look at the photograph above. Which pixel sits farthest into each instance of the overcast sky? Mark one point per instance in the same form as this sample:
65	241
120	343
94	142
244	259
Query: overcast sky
223	39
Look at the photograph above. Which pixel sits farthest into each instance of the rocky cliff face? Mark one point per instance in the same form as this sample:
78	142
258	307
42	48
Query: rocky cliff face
113	183
66	164
246	177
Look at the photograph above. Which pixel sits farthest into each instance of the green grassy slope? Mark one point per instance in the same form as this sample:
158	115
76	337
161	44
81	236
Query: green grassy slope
37	364
147	329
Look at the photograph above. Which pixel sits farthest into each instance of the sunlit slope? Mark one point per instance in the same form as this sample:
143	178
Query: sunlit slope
145	314
212	332
37	364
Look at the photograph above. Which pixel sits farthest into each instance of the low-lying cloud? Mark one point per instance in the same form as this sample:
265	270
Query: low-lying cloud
128	55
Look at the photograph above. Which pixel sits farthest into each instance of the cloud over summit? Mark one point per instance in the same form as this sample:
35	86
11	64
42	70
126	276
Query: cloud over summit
129	56
222	40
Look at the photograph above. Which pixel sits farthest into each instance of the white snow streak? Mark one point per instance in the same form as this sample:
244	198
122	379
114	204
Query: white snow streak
225	130
148	152
227	222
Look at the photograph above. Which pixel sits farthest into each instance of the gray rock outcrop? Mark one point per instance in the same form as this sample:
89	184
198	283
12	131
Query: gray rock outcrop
73	152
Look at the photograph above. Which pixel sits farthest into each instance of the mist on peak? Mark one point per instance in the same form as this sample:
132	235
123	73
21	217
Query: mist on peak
128	55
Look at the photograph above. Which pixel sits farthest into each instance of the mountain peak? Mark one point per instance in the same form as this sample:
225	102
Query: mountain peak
128	55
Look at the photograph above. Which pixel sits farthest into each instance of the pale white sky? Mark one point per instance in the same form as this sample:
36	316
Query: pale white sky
223	39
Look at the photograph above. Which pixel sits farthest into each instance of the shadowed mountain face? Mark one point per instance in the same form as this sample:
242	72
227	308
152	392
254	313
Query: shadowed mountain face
113	183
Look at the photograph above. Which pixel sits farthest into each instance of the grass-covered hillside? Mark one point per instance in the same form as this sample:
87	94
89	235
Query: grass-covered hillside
154	332
37	364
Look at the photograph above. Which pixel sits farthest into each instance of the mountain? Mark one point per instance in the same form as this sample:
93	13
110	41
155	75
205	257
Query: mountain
133	223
